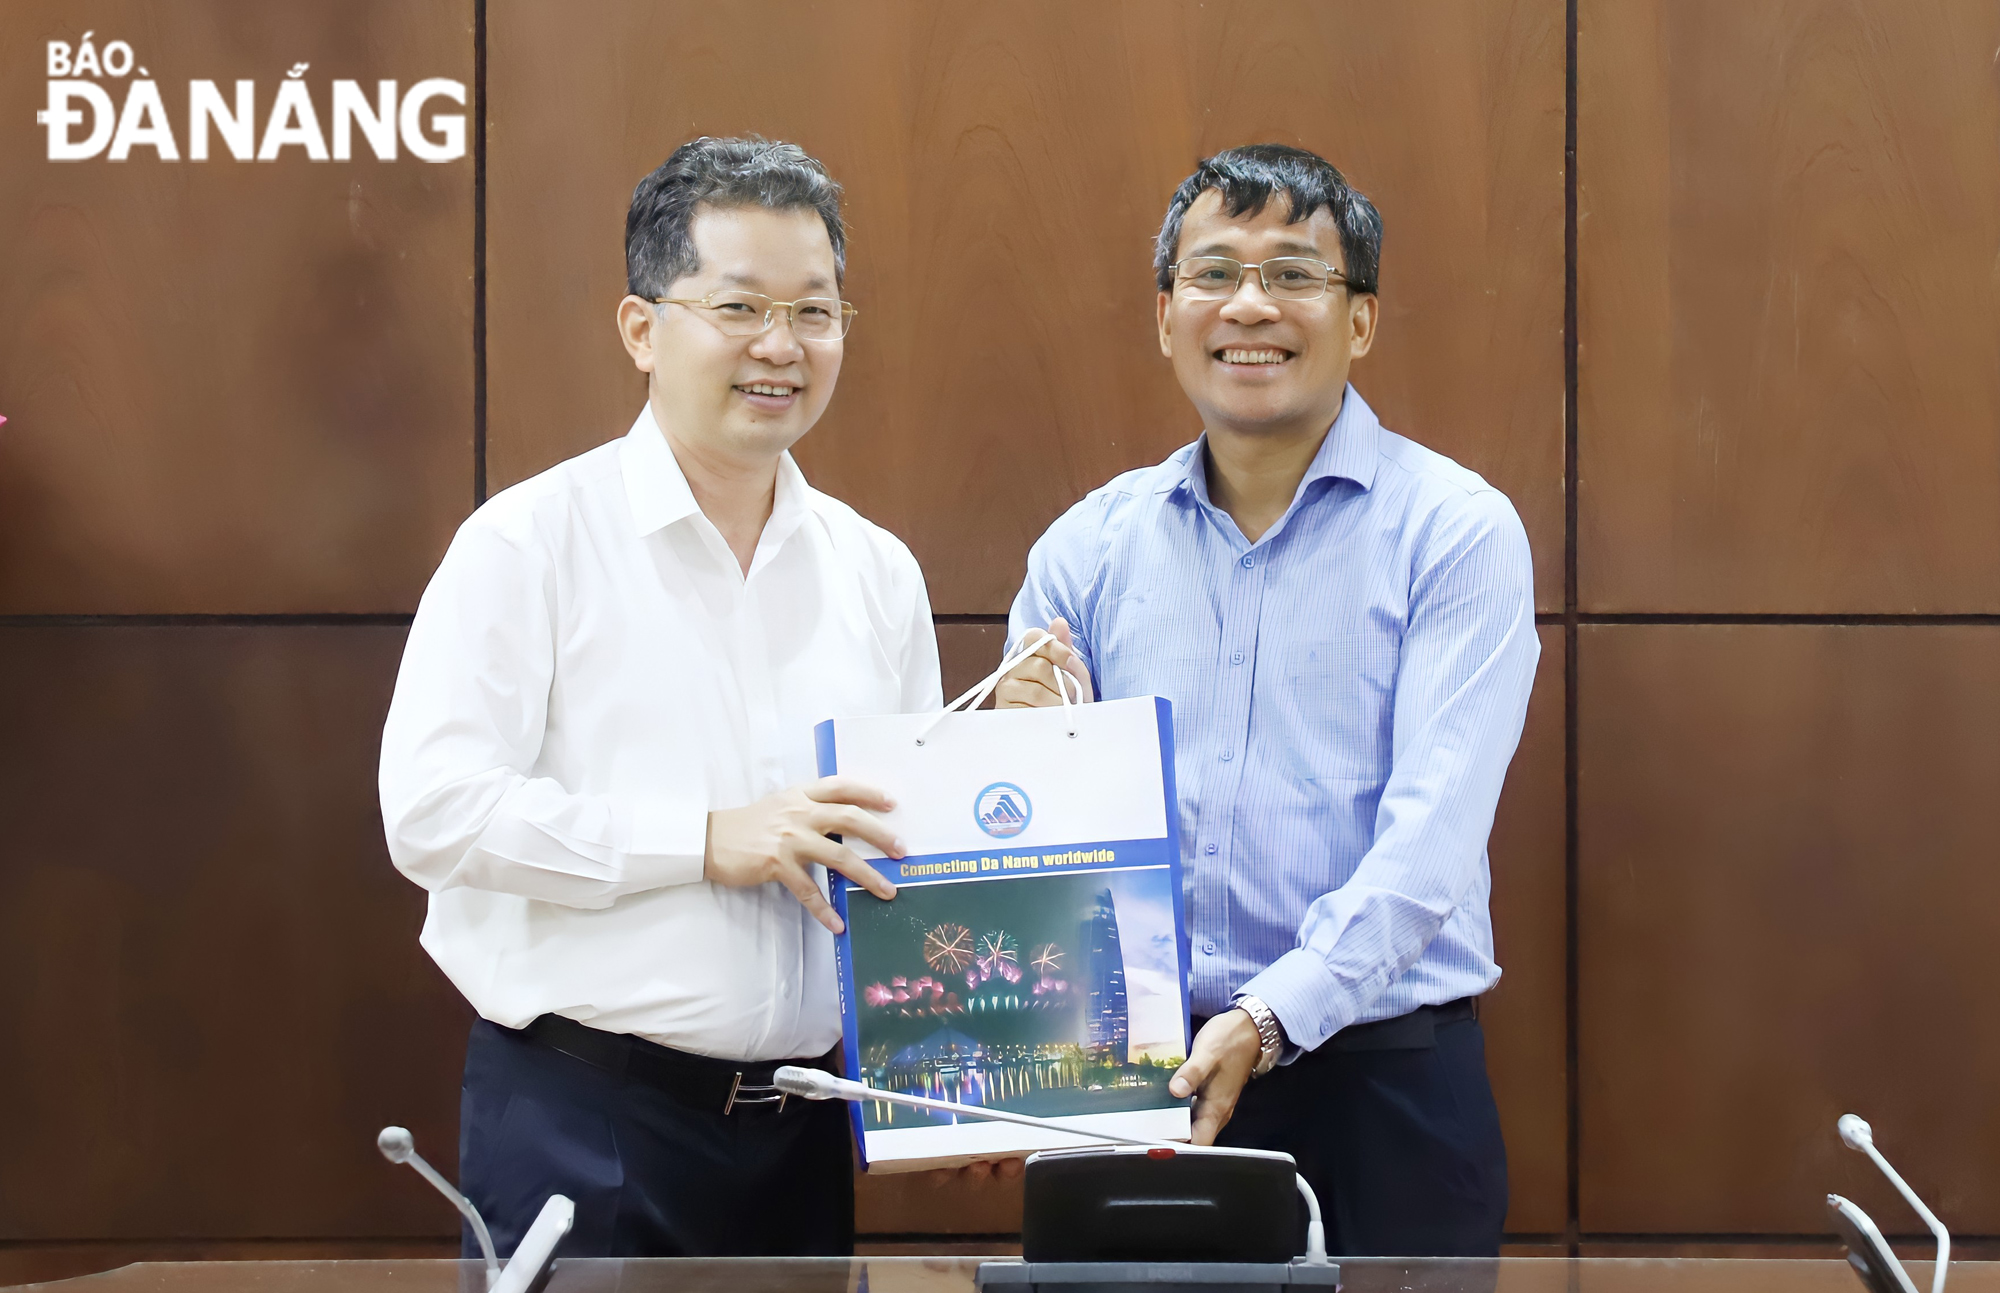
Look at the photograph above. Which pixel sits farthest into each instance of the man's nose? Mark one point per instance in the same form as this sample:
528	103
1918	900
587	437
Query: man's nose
1250	300
778	342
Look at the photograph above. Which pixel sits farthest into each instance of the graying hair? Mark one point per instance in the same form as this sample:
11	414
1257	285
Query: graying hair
1247	177
659	247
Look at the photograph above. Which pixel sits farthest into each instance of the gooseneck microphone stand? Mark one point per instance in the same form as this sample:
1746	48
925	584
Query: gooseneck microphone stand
1876	1257
534	1257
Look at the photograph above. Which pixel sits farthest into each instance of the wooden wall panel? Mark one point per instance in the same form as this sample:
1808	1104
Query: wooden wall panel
209	971
1789	315
978	401
1523	1017
232	386
1785	914
967	653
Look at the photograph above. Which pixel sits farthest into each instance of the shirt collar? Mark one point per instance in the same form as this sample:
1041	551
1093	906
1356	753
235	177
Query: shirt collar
655	485
791	500
657	489
1349	451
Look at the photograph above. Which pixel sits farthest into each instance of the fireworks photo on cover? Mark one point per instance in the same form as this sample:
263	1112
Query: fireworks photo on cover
1042	994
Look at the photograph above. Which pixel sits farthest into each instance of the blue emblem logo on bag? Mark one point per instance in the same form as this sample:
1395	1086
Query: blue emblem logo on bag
1003	810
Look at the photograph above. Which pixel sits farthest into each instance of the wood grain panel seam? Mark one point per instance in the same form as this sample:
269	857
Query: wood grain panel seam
200	1241
479	252
1763	1237
918	1236
300	619
1572	1064
1891	621
401	619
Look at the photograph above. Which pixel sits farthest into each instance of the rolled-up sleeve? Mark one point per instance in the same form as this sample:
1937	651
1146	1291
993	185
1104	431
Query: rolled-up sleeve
1467	665
464	730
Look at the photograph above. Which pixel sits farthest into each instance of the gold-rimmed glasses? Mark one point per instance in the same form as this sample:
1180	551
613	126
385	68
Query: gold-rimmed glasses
1285	278
745	314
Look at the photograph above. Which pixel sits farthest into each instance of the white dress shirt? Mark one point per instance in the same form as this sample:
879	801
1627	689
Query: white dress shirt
588	675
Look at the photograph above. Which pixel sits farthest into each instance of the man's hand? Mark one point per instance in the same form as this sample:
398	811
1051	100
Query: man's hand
1033	681
781	836
1225	1051
1005	1169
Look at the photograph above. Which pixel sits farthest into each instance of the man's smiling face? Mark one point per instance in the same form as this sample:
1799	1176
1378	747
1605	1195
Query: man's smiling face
754	396
1251	363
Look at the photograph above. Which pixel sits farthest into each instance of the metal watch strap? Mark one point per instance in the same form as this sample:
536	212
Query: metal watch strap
1269	1034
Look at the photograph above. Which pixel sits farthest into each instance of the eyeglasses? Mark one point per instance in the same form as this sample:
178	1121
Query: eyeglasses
745	314
1287	278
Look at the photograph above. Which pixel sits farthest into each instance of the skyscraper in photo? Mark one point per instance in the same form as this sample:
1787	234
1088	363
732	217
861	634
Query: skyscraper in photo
1107	1021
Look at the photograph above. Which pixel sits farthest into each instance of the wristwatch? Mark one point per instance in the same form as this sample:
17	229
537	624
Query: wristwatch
1269	1034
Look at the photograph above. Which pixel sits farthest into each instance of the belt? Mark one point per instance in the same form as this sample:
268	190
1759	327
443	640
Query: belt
698	1081
1416	1030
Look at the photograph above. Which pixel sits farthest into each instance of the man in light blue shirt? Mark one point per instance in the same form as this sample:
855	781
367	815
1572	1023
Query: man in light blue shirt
1344	621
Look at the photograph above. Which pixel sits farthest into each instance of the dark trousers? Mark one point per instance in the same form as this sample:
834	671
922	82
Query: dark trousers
650	1176
1395	1128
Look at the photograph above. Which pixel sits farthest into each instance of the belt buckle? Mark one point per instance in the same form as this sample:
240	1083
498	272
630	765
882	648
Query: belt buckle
748	1095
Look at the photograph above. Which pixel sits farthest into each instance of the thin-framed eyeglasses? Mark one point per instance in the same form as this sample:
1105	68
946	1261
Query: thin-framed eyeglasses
1285	278
745	314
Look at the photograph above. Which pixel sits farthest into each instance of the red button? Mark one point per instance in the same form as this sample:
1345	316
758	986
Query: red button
1159	1151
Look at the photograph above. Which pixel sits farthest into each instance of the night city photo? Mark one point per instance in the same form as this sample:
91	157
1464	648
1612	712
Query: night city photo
1045	994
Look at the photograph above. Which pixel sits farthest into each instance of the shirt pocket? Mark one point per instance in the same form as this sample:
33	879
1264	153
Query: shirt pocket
1341	694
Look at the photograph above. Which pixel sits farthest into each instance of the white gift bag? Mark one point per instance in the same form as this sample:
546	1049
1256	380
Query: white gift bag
1035	957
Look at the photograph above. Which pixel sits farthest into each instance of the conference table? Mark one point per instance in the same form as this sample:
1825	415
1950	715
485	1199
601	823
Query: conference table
955	1275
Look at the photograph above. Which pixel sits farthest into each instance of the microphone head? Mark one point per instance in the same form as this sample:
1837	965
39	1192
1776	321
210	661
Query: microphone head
396	1144
810	1084
1855	1133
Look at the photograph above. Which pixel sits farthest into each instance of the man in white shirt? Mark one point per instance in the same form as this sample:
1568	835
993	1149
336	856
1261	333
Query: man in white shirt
599	760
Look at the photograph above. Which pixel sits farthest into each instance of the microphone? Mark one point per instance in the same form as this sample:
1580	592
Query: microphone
1856	1134
534	1253
398	1146
817	1084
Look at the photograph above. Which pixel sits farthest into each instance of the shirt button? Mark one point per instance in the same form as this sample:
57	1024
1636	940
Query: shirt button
1236	657
1249	562
1211	846
1209	947
1227	755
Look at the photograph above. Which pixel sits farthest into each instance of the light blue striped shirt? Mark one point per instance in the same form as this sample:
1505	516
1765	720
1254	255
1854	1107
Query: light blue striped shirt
1347	693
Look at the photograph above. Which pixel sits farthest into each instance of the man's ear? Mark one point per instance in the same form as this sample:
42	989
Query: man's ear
1362	314
636	319
1166	330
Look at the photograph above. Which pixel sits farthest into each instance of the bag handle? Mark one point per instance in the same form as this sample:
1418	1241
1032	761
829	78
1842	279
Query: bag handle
984	688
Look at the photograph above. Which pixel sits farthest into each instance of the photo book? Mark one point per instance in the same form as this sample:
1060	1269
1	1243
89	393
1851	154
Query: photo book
1035	957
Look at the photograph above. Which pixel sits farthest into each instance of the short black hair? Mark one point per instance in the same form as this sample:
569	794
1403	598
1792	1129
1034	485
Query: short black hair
1248	176
720	173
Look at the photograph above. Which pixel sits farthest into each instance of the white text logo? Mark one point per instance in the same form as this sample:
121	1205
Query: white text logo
83	121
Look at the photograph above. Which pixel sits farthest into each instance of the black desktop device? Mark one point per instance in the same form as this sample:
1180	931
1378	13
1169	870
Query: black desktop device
1143	1205
1116	1219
